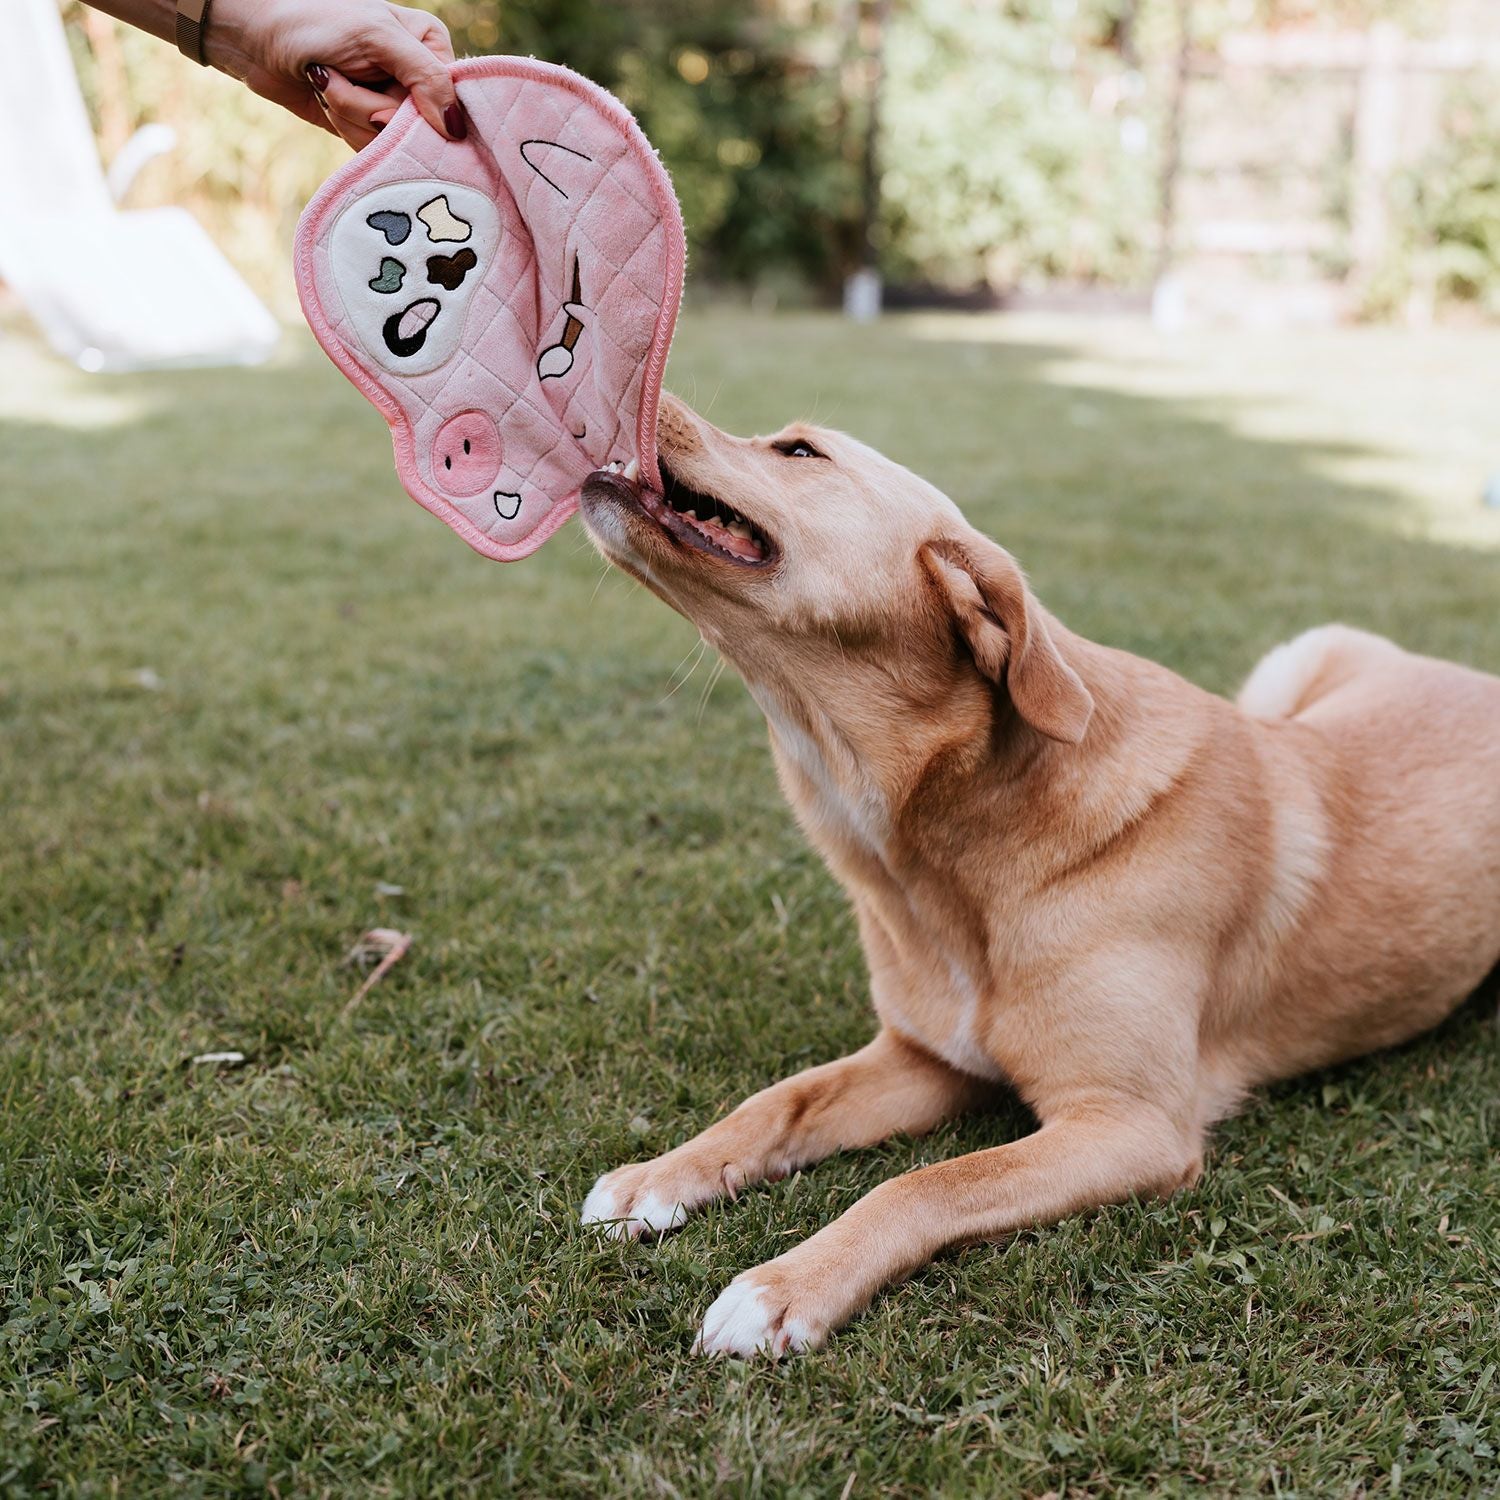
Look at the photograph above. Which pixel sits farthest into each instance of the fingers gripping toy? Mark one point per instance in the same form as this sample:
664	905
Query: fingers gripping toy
506	301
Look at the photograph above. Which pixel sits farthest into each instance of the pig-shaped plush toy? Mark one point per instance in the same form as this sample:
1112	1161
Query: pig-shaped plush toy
506	301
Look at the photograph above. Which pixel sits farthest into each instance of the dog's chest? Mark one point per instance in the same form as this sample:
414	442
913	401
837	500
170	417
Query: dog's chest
923	989
840	810
942	1014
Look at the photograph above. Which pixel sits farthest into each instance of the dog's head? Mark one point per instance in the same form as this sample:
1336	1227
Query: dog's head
809	559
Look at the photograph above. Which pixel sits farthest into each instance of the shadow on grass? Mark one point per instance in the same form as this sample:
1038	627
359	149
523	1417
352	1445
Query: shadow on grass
1147	521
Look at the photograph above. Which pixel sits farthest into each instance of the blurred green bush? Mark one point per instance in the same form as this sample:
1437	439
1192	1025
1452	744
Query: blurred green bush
1446	240
998	162
1016	147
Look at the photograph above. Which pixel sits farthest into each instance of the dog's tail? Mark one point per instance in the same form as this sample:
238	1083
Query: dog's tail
1292	676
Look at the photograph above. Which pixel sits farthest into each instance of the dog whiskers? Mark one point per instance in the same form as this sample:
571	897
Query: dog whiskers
675	683
710	685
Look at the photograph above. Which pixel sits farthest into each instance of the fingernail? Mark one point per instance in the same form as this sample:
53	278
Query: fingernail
456	121
317	75
381	118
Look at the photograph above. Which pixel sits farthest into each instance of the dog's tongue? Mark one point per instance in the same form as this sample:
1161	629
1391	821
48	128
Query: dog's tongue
508	301
743	547
745	550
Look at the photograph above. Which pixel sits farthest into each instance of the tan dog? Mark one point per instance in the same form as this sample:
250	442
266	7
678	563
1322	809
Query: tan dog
1073	872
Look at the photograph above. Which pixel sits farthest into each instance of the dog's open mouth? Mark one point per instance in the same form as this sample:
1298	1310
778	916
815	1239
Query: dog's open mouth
711	523
700	520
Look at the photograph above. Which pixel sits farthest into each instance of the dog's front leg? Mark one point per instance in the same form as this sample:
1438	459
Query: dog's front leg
1072	1163
886	1087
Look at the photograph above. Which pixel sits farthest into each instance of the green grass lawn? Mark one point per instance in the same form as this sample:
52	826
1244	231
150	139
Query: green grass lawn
253	701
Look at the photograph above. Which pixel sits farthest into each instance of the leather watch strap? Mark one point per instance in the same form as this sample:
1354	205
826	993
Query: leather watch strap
192	22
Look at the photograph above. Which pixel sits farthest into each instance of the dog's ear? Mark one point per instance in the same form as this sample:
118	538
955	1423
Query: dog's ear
1006	632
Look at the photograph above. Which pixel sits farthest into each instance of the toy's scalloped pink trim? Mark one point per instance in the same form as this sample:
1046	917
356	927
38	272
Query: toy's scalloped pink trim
310	225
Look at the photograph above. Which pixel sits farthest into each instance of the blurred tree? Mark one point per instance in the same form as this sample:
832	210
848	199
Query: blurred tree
1021	139
741	101
1017	144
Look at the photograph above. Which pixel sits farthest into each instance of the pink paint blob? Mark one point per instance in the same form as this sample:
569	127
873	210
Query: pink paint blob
466	454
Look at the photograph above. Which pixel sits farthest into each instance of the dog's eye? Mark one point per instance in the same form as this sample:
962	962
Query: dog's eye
796	448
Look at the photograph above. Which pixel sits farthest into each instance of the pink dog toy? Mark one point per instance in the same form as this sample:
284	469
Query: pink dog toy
507	301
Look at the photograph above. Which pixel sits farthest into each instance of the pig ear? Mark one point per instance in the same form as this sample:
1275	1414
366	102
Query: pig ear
1005	629
566	170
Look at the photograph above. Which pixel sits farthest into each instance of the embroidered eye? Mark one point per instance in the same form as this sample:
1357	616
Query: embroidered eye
797	448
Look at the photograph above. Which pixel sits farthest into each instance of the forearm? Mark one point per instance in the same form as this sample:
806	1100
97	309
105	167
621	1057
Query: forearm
159	17
346	64
223	33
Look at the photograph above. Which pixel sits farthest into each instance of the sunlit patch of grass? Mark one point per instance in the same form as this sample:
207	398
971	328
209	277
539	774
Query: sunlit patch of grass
1411	415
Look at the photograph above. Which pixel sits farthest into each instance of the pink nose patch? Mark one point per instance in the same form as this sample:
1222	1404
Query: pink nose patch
507	301
466	455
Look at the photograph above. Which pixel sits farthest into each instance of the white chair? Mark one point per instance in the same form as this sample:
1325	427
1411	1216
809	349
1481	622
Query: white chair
111	290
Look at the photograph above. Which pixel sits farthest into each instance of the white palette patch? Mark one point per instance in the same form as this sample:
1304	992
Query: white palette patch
408	259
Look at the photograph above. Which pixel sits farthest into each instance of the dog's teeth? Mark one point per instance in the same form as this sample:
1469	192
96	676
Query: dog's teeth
633	469
692	515
739	529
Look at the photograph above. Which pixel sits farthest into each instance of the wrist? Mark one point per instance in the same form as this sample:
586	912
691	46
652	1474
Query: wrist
228	37
190	22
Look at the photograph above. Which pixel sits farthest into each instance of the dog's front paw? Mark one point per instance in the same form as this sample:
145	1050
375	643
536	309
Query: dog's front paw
760	1312
629	1205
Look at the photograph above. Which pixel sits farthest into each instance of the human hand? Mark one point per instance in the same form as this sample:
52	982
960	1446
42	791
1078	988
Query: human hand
343	64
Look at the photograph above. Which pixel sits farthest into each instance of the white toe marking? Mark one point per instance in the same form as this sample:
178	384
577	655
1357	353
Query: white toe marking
600	1206
657	1216
649	1215
743	1321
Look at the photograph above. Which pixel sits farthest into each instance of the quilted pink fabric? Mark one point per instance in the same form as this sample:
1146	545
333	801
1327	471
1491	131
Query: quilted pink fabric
506	301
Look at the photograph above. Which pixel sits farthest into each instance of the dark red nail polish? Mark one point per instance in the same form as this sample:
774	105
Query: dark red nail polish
456	121
317	75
